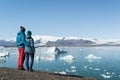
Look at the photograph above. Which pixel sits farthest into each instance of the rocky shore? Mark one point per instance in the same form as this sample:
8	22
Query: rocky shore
14	74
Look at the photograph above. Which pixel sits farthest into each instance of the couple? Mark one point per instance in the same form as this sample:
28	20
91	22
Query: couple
26	49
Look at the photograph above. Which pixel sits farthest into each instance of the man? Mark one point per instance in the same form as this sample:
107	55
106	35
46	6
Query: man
21	43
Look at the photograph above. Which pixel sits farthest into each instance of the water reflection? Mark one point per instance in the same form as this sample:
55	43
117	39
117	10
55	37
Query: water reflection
3	59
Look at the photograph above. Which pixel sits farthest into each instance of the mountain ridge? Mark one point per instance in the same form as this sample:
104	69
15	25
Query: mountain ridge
64	41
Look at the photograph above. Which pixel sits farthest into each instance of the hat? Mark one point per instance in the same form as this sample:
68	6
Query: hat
22	29
29	33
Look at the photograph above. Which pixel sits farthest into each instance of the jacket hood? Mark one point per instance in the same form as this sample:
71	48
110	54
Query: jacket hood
19	33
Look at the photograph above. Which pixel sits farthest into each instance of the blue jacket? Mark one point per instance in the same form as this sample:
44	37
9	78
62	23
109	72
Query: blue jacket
20	40
31	48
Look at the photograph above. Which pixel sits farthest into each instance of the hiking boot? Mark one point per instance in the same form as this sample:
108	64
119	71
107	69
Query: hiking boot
21	68
31	70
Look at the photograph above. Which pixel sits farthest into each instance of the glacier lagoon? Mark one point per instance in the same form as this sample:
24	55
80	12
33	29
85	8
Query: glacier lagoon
97	62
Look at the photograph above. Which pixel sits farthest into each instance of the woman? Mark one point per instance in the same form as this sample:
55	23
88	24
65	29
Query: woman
21	43
29	51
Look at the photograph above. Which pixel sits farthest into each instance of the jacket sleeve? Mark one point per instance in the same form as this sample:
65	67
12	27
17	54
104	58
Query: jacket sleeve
18	43
32	44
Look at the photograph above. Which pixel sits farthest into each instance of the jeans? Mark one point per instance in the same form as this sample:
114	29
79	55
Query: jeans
31	60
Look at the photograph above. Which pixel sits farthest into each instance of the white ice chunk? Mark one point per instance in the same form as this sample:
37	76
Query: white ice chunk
108	73
63	72
85	67
96	69
73	71
37	58
92	57
106	76
73	67
68	58
2	59
90	67
4	53
47	58
51	50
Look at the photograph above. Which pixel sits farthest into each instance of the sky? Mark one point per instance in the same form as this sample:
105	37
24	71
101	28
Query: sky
79	18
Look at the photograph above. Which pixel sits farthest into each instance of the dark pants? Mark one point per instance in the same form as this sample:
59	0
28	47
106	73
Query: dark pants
31	55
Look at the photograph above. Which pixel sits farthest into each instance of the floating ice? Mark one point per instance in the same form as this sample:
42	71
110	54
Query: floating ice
63	72
106	76
2	59
73	67
68	58
3	52
85	67
107	73
104	70
51	50
92	57
46	53
49	59
96	69
73	71
113	73
90	67
37	58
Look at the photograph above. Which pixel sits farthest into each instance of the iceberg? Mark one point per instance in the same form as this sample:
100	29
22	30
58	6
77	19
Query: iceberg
68	58
3	52
106	76
73	67
55	50
92	57
47	58
73	71
37	58
63	72
96	69
51	50
2	59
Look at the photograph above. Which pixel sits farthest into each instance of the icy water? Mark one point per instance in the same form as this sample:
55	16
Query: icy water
97	62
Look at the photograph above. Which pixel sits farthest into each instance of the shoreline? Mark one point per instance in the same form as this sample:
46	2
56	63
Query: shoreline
14	74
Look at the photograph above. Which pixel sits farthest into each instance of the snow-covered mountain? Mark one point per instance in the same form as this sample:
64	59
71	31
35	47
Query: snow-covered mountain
42	40
64	41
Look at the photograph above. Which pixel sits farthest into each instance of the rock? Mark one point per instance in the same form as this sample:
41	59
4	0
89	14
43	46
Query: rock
14	74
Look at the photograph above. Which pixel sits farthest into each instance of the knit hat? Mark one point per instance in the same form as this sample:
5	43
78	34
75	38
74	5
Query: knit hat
29	33
22	29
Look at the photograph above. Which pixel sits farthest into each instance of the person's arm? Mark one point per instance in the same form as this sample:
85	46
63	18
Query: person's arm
33	48
19	43
24	41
